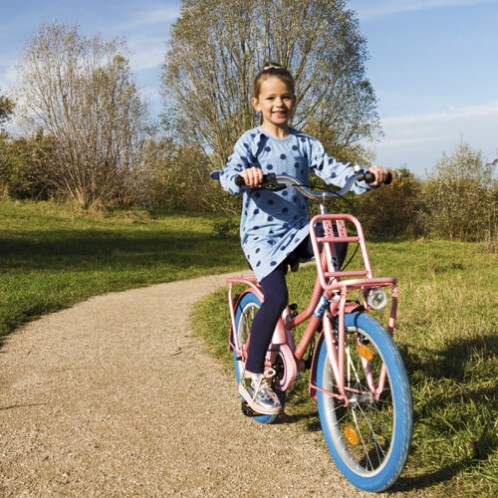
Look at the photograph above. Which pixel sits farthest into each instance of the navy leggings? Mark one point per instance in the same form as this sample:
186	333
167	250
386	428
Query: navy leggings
276	299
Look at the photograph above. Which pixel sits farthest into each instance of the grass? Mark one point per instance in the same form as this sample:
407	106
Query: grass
52	256
448	334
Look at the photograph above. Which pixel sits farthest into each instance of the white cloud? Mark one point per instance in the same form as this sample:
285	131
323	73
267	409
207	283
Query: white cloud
368	9
146	34
419	141
165	15
7	78
147	53
147	18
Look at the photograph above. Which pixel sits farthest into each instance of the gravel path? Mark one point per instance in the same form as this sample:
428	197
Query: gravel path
116	398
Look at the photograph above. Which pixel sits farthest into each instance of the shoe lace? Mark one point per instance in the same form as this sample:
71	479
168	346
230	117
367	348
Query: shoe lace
269	374
265	379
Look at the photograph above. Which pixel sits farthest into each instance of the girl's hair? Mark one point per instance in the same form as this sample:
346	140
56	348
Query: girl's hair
272	70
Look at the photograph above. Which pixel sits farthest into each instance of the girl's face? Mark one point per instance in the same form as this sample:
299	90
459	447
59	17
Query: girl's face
275	102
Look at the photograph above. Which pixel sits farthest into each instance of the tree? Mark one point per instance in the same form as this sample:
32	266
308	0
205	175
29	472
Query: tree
216	49
460	197
6	110
81	92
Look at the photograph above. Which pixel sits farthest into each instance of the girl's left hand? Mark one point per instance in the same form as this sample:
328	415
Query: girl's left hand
380	174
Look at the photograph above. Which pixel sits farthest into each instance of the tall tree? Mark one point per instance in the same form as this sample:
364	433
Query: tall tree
80	91
216	49
6	110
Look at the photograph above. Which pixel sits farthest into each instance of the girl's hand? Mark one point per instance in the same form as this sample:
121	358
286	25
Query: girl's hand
252	176
380	175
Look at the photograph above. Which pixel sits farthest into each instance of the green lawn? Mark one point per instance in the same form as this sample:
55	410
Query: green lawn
447	332
53	256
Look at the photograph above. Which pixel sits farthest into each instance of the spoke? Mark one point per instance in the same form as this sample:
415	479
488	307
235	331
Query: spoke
378	446
361	410
351	366
367	455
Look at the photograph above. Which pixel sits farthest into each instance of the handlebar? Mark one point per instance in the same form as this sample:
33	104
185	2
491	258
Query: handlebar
275	182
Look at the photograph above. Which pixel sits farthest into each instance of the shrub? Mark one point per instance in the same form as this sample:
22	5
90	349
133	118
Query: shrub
23	168
461	198
392	210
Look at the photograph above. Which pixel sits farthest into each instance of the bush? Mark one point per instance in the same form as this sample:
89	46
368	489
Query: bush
177	178
392	210
461	198
23	168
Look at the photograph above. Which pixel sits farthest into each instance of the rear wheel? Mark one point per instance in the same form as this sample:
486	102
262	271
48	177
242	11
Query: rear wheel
245	311
369	439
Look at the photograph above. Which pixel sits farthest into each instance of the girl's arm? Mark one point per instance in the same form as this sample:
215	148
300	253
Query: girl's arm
239	163
332	171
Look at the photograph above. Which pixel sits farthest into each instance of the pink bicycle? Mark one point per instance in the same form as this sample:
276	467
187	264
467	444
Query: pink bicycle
357	375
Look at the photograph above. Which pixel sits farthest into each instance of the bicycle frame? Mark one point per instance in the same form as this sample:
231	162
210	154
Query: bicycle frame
330	286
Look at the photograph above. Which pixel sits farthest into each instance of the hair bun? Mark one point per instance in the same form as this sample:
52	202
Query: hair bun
271	65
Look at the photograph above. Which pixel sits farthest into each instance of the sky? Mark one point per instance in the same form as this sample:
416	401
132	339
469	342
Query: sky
432	63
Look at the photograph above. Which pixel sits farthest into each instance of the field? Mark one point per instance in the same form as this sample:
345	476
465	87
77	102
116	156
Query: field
53	256
447	333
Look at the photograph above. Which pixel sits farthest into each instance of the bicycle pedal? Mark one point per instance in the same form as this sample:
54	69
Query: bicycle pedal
248	411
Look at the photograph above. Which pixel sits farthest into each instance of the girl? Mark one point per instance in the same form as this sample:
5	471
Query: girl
274	225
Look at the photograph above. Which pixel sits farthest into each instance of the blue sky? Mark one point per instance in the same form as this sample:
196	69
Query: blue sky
434	67
433	64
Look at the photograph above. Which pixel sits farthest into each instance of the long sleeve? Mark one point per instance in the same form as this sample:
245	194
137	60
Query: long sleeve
332	171
243	157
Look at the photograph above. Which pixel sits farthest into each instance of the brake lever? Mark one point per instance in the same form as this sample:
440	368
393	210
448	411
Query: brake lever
271	183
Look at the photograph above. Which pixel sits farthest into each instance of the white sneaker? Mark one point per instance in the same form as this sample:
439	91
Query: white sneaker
259	395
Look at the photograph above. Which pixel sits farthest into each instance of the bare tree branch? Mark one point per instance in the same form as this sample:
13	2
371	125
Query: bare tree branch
80	92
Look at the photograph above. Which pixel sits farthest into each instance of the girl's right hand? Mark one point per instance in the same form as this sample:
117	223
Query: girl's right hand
252	176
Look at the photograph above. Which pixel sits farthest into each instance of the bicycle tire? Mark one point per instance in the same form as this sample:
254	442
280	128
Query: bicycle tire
246	308
369	440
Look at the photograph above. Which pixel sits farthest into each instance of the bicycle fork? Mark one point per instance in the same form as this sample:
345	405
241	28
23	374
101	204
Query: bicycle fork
338	355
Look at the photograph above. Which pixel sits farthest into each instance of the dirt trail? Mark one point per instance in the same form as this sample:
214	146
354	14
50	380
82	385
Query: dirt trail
116	398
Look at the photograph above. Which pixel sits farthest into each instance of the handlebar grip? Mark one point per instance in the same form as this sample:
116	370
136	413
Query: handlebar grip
270	182
239	181
370	177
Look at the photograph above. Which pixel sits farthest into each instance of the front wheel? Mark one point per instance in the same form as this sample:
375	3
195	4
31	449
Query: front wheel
369	439
245	311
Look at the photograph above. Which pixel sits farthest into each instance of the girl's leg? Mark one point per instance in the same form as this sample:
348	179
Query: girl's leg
276	299
305	250
254	386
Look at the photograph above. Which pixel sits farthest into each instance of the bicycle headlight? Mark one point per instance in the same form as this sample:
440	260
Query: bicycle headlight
376	298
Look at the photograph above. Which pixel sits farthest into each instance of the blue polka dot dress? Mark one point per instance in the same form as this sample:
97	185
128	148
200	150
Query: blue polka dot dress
273	224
